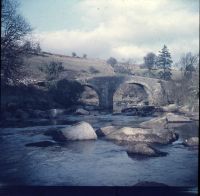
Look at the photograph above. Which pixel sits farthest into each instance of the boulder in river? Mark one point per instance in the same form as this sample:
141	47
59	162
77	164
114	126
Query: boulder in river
105	131
170	108
79	131
193	141
159	122
138	134
174	118
81	111
144	149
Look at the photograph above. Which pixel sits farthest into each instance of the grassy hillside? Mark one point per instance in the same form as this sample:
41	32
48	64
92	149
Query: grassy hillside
73	66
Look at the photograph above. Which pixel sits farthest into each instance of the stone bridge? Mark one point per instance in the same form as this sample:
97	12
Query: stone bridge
106	86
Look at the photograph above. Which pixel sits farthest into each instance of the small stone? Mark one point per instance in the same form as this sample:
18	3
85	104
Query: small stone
139	110
173	118
193	141
170	108
81	111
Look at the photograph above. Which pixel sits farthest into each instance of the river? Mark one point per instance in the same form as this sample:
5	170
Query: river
91	163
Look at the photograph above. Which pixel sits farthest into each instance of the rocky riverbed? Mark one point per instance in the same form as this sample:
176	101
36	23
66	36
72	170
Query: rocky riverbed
32	156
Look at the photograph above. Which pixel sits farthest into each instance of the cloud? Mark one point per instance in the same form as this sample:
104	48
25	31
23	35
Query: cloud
127	29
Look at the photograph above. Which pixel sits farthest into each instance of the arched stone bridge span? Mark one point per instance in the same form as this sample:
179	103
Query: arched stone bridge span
106	86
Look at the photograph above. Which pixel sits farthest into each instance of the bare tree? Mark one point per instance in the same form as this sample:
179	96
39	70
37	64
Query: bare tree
185	90
188	63
13	35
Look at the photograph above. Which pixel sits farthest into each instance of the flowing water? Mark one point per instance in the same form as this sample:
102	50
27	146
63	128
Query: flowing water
91	163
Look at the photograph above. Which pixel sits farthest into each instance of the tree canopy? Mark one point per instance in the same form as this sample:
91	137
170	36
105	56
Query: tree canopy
112	61
149	60
189	63
14	31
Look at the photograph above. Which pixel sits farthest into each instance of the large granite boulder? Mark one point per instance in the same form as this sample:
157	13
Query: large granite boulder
79	131
174	118
159	122
145	150
138	134
105	131
191	142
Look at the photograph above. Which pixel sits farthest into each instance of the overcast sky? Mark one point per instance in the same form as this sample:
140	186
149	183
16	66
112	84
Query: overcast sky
118	28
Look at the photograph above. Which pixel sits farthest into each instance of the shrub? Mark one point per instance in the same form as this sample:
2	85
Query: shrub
184	92
52	70
73	54
25	97
93	70
112	61
66	92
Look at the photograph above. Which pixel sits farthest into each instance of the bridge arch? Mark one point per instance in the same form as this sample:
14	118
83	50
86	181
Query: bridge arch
147	90
90	95
131	94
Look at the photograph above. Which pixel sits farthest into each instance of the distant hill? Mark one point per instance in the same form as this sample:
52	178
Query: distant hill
74	67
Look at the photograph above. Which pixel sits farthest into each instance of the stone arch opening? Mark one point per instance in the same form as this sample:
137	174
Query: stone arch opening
89	97
131	94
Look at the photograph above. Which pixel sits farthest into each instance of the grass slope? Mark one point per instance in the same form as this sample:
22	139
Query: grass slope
74	66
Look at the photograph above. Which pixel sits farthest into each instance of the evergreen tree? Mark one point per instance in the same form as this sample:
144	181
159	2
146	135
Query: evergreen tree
164	62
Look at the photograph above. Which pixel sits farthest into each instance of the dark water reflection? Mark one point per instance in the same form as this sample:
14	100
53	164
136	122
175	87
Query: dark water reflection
94	163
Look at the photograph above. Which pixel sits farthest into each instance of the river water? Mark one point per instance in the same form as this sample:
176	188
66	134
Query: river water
91	163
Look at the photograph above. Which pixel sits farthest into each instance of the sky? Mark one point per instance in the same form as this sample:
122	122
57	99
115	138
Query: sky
119	28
